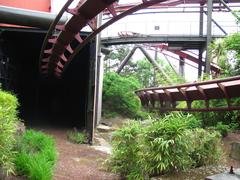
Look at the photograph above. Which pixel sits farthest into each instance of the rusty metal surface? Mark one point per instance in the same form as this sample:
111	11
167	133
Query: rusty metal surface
167	97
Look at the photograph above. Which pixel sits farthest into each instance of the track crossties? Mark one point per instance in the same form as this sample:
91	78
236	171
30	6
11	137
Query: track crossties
166	98
63	42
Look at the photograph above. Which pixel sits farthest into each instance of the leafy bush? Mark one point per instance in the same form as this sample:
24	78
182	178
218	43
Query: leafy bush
125	149
210	119
118	95
76	137
173	143
8	123
36	155
224	129
166	147
206	146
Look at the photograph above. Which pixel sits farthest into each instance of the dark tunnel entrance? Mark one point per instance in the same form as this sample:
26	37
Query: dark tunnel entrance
66	102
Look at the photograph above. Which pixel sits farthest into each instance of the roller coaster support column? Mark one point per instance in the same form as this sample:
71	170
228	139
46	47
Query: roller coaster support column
126	59
154	71
201	20
200	52
98	76
155	65
181	66
209	35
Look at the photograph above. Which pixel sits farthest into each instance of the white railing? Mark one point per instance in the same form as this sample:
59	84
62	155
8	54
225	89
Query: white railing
186	28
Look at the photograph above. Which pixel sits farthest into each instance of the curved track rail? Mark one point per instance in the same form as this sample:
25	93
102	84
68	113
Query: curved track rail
164	47
166	98
60	48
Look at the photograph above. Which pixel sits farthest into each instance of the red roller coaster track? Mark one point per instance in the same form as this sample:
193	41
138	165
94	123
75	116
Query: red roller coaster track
167	97
58	49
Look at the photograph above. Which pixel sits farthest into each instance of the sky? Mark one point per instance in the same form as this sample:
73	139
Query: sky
180	23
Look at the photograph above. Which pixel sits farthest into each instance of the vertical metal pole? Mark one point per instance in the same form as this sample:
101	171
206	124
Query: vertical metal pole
126	59
181	66
98	80
200	51
154	71
209	35
201	20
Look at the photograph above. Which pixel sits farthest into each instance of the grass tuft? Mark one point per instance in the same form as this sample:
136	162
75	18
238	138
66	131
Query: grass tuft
77	137
36	155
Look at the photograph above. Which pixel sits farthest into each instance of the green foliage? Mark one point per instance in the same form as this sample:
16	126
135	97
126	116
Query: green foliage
224	129
226	52
173	143
125	150
36	155
171	72
166	148
77	137
8	124
212	118
118	95
114	59
145	73
206	146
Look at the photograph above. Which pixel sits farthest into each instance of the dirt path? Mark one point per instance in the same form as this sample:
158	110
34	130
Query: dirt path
77	162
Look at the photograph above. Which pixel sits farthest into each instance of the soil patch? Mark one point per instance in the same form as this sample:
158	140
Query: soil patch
77	162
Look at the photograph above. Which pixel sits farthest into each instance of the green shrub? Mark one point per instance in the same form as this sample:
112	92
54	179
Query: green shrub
206	146
222	128
173	143
210	119
8	124
166	148
36	155
77	137
125	149
119	97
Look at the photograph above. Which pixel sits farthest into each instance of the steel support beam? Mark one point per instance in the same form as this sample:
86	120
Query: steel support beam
98	79
181	66
209	36
126	59
155	64
215	22
201	20
200	62
228	8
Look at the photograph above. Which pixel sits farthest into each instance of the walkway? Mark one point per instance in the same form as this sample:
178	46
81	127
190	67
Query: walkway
77	162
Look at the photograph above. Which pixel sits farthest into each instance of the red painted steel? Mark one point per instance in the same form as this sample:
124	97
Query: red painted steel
167	97
57	51
185	55
59	47
38	5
